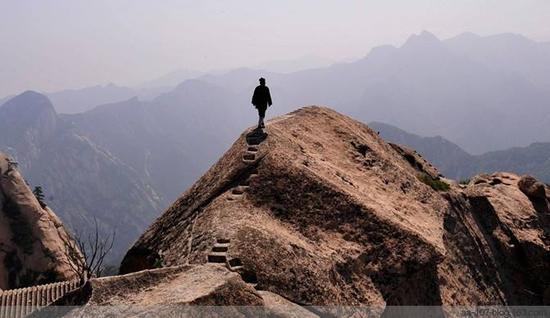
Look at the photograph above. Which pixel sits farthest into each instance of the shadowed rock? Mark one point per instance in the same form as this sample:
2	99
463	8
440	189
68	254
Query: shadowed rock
532	188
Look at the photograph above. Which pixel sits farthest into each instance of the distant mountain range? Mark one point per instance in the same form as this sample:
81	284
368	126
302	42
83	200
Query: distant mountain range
457	164
170	140
290	66
80	179
125	160
171	80
429	87
121	163
75	101
483	93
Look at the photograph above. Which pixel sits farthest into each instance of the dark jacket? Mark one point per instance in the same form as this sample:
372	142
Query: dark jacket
261	97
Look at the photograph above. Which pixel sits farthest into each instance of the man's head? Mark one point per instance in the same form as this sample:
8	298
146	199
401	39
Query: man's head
262	81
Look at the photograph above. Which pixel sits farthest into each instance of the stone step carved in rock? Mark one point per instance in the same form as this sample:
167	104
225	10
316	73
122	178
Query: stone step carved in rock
235	263
217	257
223	241
220	247
248	157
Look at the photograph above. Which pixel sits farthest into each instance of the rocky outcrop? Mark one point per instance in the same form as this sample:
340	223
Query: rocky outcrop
532	188
512	234
324	212
163	292
32	238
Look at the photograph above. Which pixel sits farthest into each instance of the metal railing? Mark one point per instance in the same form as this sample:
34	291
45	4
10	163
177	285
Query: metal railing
18	303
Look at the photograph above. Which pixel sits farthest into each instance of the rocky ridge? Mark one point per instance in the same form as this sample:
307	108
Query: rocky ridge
322	211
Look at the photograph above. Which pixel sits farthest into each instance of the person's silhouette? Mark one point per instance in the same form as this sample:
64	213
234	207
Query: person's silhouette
261	100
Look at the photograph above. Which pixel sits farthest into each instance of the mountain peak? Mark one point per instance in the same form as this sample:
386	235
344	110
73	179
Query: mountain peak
26	114
422	40
30	99
28	104
427	34
309	148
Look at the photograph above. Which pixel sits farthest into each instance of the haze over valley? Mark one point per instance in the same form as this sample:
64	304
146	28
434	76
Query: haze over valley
158	138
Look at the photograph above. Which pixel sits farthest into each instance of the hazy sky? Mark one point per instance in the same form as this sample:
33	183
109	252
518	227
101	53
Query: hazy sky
56	44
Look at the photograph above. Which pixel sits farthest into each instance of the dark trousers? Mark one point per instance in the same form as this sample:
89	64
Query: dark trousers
261	114
261	111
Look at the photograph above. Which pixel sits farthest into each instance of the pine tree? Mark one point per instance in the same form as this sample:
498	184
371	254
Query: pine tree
39	194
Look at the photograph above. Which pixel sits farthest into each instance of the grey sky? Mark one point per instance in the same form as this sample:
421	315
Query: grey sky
56	44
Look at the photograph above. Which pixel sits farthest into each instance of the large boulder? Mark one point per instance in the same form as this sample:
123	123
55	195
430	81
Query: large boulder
532	188
515	237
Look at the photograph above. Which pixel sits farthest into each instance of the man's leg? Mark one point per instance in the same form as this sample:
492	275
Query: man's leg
261	114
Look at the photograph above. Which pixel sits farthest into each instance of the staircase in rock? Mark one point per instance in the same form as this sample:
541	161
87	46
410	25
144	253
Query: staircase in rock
219	252
219	255
238	191
17	303
253	140
250	155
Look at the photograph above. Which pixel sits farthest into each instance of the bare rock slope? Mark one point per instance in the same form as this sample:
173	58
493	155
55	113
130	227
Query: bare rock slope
324	212
32	238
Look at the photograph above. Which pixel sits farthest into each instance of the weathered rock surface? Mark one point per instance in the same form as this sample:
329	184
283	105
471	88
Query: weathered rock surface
532	188
165	291
324	212
32	238
212	285
514	236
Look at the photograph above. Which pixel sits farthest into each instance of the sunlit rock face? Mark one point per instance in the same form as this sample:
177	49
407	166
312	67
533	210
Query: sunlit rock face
33	241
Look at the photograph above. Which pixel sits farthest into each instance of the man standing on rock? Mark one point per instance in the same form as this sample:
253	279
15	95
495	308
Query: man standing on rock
261	100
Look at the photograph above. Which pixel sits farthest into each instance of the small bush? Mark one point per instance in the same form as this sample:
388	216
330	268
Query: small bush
158	263
39	194
464	181
435	184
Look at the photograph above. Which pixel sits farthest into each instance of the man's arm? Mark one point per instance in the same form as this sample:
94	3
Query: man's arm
269	102
255	96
